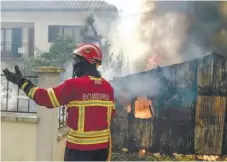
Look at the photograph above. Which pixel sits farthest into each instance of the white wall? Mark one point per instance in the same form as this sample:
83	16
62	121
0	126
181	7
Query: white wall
20	145
41	21
18	136
60	149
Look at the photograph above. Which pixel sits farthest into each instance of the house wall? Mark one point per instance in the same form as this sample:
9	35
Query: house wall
16	143
20	145
60	149
10	63
41	21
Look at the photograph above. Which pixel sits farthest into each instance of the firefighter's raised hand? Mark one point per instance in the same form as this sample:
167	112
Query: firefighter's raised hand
13	77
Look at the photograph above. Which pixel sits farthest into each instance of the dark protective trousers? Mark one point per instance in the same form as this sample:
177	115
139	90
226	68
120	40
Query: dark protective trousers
78	155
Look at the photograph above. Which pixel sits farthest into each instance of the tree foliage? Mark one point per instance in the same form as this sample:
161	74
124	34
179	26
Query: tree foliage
59	52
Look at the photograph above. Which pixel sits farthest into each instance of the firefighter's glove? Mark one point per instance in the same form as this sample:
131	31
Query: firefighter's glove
13	77
18	79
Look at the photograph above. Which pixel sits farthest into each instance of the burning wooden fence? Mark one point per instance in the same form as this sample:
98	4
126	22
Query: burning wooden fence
193	120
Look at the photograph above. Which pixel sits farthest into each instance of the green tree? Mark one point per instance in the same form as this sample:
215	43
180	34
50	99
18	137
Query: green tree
59	52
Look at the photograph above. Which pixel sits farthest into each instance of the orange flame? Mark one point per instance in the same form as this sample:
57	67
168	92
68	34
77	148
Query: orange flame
156	59
142	152
143	108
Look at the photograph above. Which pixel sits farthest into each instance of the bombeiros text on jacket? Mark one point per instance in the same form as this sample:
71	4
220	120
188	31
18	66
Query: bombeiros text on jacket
95	96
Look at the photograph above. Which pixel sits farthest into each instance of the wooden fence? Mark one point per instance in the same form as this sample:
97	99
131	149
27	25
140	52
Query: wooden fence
193	120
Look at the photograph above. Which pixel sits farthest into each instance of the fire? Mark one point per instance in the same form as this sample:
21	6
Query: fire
128	108
142	152
125	99
156	59
142	108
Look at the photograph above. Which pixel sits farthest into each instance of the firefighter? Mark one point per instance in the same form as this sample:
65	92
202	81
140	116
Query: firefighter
89	100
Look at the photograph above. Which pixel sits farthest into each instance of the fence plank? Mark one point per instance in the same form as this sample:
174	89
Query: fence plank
210	112
143	133
174	124
211	104
173	136
224	147
119	130
174	129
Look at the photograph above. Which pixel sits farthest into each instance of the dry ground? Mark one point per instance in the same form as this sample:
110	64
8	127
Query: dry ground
128	156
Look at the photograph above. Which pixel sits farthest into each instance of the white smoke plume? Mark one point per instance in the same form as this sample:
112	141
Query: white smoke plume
152	33
124	35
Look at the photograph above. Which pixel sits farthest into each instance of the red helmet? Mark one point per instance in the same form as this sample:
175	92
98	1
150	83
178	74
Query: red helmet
90	52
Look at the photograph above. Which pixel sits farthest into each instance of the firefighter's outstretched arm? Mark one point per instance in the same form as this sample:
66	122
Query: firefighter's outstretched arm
50	97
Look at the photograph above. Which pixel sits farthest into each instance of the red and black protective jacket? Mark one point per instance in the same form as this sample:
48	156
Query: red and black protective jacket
90	107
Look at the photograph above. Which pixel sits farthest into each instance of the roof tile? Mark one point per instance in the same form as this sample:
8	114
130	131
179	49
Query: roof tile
73	5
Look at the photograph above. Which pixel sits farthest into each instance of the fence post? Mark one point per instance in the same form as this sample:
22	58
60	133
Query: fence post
47	128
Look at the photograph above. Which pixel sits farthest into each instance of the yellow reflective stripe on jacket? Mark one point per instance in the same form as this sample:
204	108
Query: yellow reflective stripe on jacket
91	103
53	97
109	111
24	85
94	137
105	132
87	141
81	118
31	92
94	78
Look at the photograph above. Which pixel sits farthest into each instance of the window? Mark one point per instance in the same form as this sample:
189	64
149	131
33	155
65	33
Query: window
78	38
53	32
72	31
6	35
11	41
67	31
6	39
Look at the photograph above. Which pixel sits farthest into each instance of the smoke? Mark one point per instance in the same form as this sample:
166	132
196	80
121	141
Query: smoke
157	33
152	33
68	66
125	37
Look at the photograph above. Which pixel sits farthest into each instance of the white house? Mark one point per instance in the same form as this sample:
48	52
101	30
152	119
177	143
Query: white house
29	27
